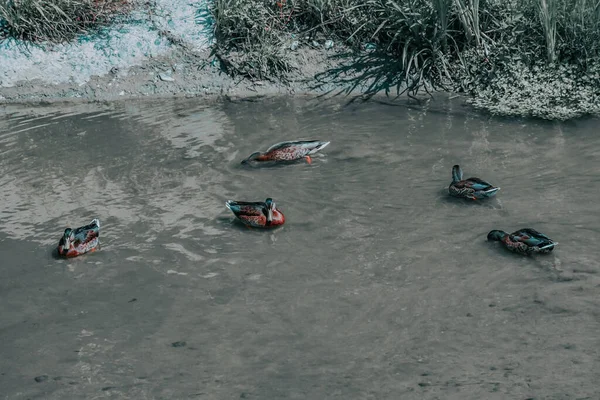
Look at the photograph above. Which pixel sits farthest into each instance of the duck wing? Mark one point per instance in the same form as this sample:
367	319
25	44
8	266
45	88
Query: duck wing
88	232
246	207
309	146
279	146
531	237
478	184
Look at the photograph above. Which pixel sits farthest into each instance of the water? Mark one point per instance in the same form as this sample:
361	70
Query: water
379	286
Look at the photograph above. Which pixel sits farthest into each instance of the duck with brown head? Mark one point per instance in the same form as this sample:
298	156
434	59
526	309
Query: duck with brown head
288	151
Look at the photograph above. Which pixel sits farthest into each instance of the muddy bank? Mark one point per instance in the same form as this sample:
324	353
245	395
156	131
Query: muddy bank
162	50
186	71
181	72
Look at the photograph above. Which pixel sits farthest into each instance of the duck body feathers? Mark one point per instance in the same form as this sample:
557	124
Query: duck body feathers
78	241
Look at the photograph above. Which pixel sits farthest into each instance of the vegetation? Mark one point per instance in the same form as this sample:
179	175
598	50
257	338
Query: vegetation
512	57
516	57
56	20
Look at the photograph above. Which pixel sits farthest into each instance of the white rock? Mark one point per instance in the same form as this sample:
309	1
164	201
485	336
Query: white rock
166	78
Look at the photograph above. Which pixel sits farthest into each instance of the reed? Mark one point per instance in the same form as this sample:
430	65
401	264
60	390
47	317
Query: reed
578	31
548	11
468	14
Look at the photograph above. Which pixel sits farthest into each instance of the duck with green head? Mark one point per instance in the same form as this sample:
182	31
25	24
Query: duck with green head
257	214
524	241
470	188
78	241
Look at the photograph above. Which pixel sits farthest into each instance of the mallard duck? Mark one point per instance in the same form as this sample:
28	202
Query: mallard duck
288	151
524	241
81	240
257	214
470	188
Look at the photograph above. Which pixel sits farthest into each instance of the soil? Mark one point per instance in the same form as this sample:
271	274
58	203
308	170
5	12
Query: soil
181	73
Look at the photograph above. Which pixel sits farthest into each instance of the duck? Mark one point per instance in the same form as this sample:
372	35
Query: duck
288	151
524	241
257	214
78	241
470	188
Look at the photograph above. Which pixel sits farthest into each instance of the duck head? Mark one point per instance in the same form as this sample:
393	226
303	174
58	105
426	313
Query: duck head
457	174
67	238
252	157
496	235
269	209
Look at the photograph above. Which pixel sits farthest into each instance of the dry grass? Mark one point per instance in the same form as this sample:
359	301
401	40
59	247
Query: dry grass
251	33
57	20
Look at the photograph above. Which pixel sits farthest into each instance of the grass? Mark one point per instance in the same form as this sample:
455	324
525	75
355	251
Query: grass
490	49
254	43
56	20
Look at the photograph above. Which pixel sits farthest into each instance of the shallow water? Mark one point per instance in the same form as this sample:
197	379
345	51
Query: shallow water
379	286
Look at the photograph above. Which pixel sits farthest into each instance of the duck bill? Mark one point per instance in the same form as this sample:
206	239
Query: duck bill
251	157
269	216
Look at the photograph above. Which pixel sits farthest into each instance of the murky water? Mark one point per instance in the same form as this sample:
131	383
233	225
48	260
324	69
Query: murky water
378	287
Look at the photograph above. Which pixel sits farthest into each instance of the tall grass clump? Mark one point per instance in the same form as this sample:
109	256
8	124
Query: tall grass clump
57	20
410	39
534	57
252	37
548	14
578	31
258	35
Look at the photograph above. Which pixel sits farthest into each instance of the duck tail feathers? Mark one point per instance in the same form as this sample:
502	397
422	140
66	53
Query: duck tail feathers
319	146
549	245
95	221
229	204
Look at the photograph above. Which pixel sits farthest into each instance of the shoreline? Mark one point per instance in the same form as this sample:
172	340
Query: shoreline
179	73
184	72
204	50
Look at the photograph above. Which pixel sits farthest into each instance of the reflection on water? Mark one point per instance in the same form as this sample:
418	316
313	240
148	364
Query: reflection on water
119	165
374	270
